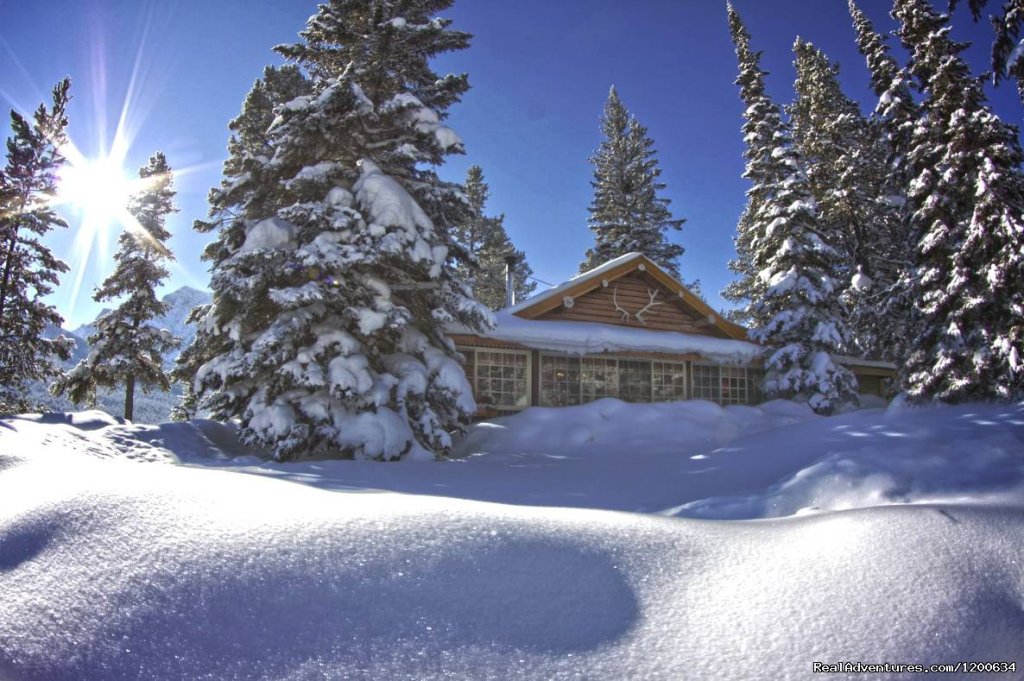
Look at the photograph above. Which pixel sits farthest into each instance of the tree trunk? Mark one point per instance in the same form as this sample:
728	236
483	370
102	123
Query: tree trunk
5	283
129	397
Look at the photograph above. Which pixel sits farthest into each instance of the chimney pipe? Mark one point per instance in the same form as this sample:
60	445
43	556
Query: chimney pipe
510	293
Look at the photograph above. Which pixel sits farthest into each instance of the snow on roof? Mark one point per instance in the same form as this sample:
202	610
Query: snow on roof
584	276
584	338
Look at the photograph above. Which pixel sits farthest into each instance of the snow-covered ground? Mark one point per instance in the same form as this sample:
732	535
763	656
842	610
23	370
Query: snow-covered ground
877	536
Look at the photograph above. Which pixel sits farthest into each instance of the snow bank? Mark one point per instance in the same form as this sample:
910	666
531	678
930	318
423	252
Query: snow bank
113	569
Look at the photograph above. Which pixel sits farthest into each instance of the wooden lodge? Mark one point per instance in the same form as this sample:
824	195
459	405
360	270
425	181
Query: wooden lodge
628	330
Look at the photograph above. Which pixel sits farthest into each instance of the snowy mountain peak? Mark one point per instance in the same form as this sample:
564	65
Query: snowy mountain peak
181	302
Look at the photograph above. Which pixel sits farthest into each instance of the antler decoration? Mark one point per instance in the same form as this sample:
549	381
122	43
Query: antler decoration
625	315
640	313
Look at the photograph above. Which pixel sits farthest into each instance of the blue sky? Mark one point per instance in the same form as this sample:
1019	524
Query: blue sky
539	70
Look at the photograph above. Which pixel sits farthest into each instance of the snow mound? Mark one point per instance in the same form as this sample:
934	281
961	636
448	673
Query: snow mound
110	569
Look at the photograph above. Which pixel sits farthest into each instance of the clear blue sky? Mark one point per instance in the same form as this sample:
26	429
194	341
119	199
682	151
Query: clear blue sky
539	70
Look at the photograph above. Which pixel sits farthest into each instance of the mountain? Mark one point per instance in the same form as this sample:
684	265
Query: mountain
181	301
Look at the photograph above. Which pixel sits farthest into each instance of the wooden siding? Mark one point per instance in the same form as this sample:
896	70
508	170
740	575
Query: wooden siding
632	293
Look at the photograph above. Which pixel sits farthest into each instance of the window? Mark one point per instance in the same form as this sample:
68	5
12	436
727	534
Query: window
755	378
734	385
705	383
668	381
566	380
635	380
559	380
598	378
500	378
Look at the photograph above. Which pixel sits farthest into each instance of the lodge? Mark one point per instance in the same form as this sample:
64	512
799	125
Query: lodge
628	330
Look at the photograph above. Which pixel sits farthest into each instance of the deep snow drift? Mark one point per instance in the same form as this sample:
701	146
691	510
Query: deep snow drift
115	563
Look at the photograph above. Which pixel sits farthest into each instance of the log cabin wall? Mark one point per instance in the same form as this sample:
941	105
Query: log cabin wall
632	292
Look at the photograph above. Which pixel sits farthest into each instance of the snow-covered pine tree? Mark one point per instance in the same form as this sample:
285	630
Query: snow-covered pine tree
326	327
485	239
799	301
627	214
232	206
125	350
846	160
28	269
760	120
1006	51
967	199
882	306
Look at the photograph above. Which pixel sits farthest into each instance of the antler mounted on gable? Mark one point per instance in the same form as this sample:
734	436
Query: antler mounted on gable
640	313
625	315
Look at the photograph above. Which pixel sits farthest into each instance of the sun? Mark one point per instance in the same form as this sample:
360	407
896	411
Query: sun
95	193
97	189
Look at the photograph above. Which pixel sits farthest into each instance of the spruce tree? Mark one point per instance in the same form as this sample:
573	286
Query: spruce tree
847	167
485	239
967	202
28	269
761	119
884	318
1006	61
125	350
325	335
249	152
798	298
627	213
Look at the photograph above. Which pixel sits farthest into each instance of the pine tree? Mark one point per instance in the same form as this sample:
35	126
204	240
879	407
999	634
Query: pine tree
1006	61
967	202
485	239
249	152
627	214
325	335
28	269
846	159
833	138
125	350
760	121
799	302
883	314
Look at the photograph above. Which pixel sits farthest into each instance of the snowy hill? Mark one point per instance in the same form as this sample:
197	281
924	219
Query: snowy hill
170	552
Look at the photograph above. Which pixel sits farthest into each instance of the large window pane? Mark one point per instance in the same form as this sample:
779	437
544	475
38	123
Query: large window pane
669	381
501	379
755	377
734	385
599	378
705	383
559	381
634	380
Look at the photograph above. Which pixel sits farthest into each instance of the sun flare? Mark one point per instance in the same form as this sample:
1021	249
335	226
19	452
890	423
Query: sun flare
98	189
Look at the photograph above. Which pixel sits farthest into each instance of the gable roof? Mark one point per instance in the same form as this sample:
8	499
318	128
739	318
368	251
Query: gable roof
533	307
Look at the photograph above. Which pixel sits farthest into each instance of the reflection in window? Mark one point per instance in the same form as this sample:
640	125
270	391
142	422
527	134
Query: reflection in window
500	379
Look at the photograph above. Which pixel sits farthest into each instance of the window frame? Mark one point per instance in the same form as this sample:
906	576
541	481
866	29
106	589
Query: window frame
682	365
473	360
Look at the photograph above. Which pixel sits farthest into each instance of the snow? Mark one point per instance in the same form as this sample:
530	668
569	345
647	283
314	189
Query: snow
578	279
861	281
387	202
171	551
584	338
268	234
